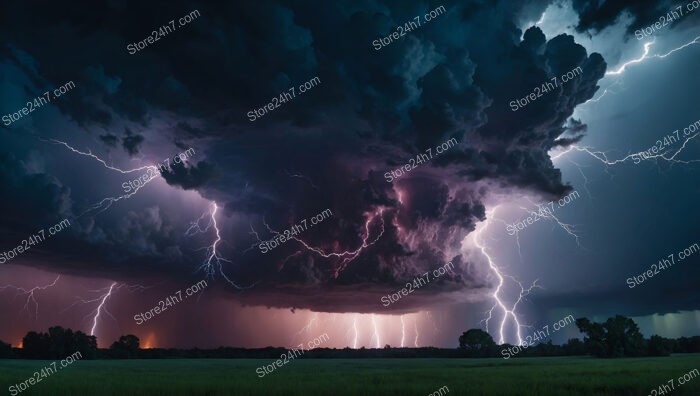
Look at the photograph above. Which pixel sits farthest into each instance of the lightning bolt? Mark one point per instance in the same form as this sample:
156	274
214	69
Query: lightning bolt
645	55
101	302
549	214
696	40
583	175
538	22
348	255
301	176
195	227
31	298
517	233
541	19
668	155
307	328
257	238
101	307
415	328
376	332
100	160
106	203
599	155
354	325
622	68
403	332
213	259
509	312
617	82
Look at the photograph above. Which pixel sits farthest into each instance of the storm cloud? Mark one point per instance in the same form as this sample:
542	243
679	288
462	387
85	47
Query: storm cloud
328	148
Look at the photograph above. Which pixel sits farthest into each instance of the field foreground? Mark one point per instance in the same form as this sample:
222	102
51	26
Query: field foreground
339	377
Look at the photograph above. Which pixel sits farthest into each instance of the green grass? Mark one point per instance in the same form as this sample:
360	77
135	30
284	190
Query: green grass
340	377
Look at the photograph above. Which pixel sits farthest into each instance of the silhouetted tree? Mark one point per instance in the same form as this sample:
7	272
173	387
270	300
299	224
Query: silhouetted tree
689	344
574	347
36	345
594	336
547	349
5	350
85	344
477	342
658	346
623	337
60	342
126	347
617	337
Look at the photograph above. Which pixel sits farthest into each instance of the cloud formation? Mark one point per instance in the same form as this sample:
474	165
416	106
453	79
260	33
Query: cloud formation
327	148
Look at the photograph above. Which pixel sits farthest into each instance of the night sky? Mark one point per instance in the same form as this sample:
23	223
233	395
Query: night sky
367	110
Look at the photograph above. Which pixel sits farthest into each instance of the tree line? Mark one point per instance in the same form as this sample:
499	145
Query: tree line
58	343
617	337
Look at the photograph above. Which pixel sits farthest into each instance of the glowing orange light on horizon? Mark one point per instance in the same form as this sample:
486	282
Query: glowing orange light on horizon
150	342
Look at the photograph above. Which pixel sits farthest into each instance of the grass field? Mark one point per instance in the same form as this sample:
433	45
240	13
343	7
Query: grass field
340	377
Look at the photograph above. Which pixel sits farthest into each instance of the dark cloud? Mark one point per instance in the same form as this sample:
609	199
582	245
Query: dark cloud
36	198
597	15
190	177
131	142
109	139
329	148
